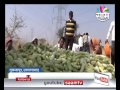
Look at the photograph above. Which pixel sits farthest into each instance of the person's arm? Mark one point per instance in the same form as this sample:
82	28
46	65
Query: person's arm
64	31
109	31
79	41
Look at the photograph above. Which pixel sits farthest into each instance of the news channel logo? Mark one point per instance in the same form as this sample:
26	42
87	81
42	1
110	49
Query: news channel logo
102	13
102	79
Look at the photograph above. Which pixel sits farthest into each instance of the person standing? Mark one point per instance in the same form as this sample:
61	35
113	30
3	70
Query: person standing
83	41
111	31
86	41
70	31
80	42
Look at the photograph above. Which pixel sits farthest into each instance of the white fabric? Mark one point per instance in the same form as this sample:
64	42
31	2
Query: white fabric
86	38
80	41
75	47
89	38
57	45
111	31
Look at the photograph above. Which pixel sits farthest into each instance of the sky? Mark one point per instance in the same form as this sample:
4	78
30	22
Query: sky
39	21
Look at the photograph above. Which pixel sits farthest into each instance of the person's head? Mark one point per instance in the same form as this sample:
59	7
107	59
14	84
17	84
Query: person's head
87	34
71	14
61	41
35	41
106	41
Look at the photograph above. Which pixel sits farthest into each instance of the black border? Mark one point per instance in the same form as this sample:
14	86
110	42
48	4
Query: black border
60	1
2	44
117	45
117	17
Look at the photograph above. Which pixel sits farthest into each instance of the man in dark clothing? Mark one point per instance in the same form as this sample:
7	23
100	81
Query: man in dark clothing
70	31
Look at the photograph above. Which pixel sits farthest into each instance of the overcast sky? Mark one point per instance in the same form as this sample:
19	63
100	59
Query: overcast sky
38	17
